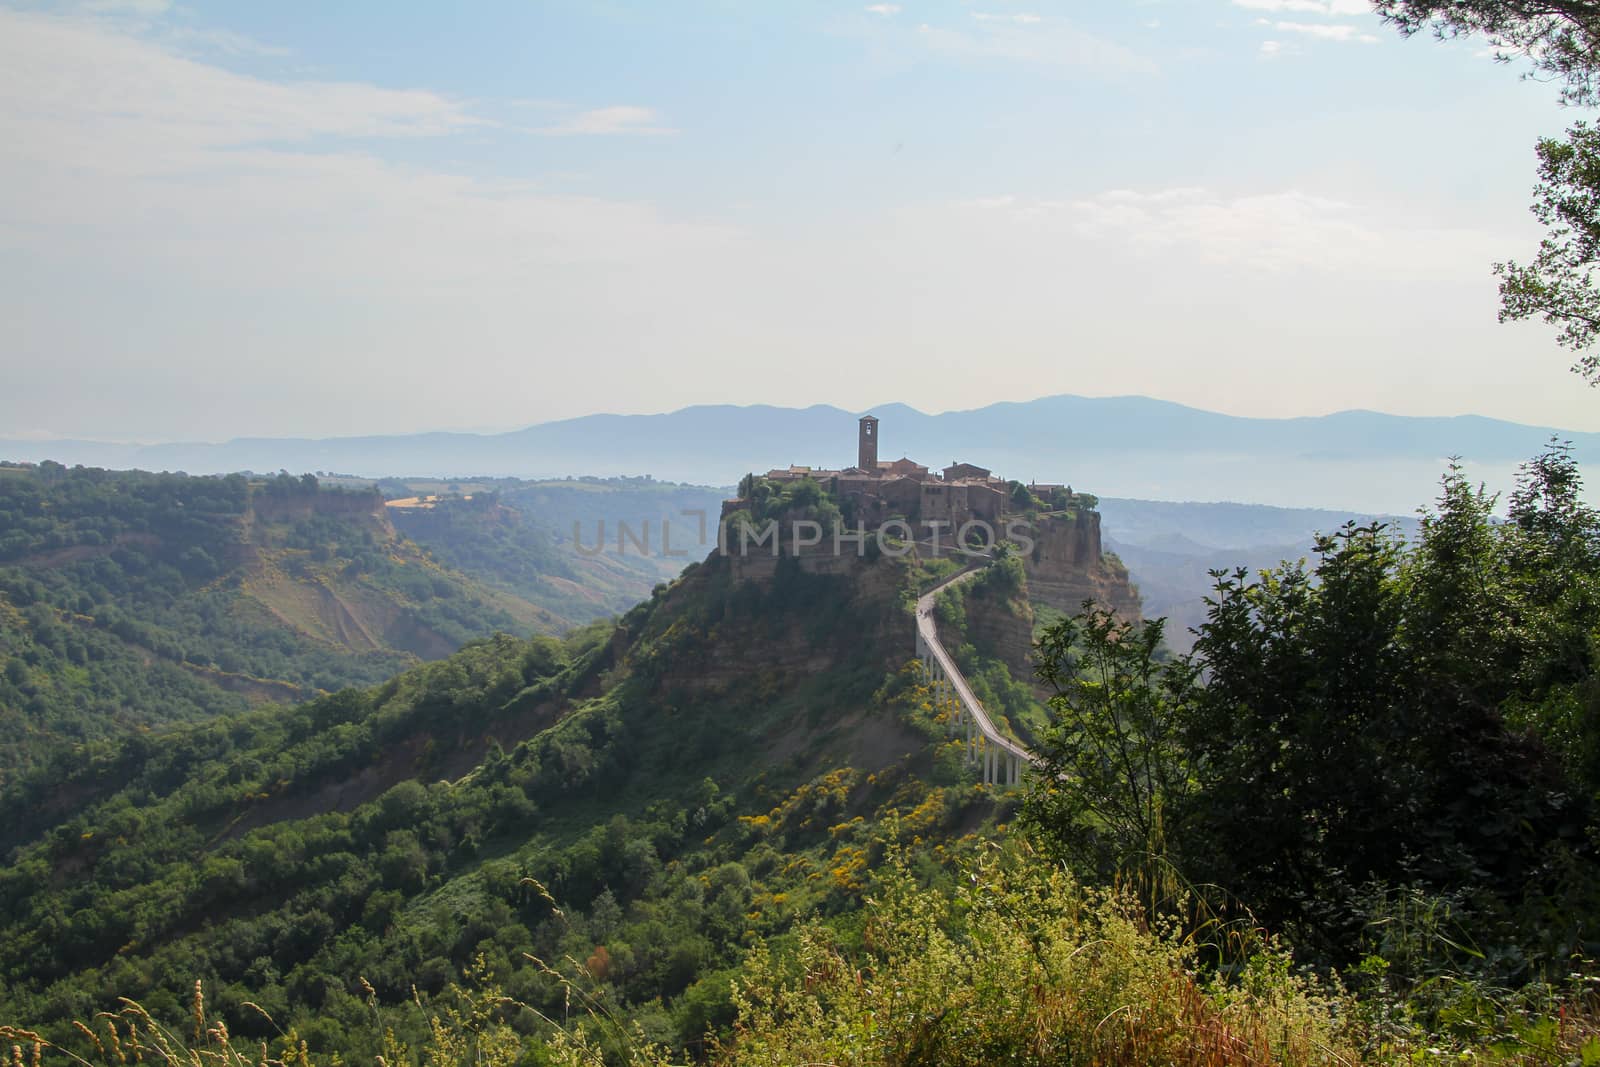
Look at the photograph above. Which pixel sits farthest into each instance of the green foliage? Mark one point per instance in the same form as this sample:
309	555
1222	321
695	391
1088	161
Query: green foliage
1112	789
659	833
1016	964
1023	500
950	608
1563	42
1391	723
130	600
1004	578
1385	761
799	500
521	801
1009	963
1558	285
479	535
1563	39
523	537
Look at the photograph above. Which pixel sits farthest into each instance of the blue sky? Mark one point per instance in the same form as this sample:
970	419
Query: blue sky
220	219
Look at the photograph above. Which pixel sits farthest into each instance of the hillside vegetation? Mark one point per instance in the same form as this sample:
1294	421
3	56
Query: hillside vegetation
580	548
645	801
1357	826
129	600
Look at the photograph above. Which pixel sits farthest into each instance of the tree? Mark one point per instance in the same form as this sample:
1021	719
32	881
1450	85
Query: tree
1558	286
1352	736
1552	553
1309	790
1562	40
1561	37
1114	776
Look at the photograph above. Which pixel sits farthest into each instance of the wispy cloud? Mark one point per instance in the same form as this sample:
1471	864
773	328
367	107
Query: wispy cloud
1309	7
143	8
227	42
1326	31
253	232
1019	19
608	121
883	9
68	85
109	139
1288	230
1041	40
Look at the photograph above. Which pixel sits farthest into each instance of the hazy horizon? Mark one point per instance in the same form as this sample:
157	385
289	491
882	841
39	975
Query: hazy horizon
1128	447
489	431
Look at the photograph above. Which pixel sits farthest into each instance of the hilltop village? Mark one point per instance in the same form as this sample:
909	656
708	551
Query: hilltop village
875	490
1062	552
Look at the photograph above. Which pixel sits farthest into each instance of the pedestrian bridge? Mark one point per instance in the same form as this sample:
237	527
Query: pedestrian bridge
1000	758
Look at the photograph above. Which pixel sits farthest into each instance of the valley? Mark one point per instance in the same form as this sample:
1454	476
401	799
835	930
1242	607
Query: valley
534	793
130	601
617	534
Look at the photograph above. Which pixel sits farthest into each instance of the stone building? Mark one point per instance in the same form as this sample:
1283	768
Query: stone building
875	491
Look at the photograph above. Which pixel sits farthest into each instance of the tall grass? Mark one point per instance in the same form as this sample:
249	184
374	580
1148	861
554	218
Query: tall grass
1016	964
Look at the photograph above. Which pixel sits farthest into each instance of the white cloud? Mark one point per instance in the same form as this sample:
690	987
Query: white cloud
1034	39
1020	19
222	254
1309	7
1287	231
224	41
142	8
883	9
74	91
113	146
1326	32
620	119
194	231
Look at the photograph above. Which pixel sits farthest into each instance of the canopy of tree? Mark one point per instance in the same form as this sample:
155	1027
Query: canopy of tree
1561	38
1396	727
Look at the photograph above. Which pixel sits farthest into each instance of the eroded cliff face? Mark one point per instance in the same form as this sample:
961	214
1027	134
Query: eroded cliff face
1002	627
364	508
1064	567
1067	567
759	624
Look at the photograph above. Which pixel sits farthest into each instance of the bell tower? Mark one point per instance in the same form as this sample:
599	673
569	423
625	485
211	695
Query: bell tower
867	440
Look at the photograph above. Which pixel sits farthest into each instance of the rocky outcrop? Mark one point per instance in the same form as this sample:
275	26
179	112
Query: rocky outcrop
752	621
757	563
1001	627
1066	567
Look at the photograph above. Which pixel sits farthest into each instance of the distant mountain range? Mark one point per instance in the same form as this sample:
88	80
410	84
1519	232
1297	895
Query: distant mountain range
1121	446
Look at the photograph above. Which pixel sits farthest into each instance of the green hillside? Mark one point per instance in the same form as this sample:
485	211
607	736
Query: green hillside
560	544
732	827
129	600
650	799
